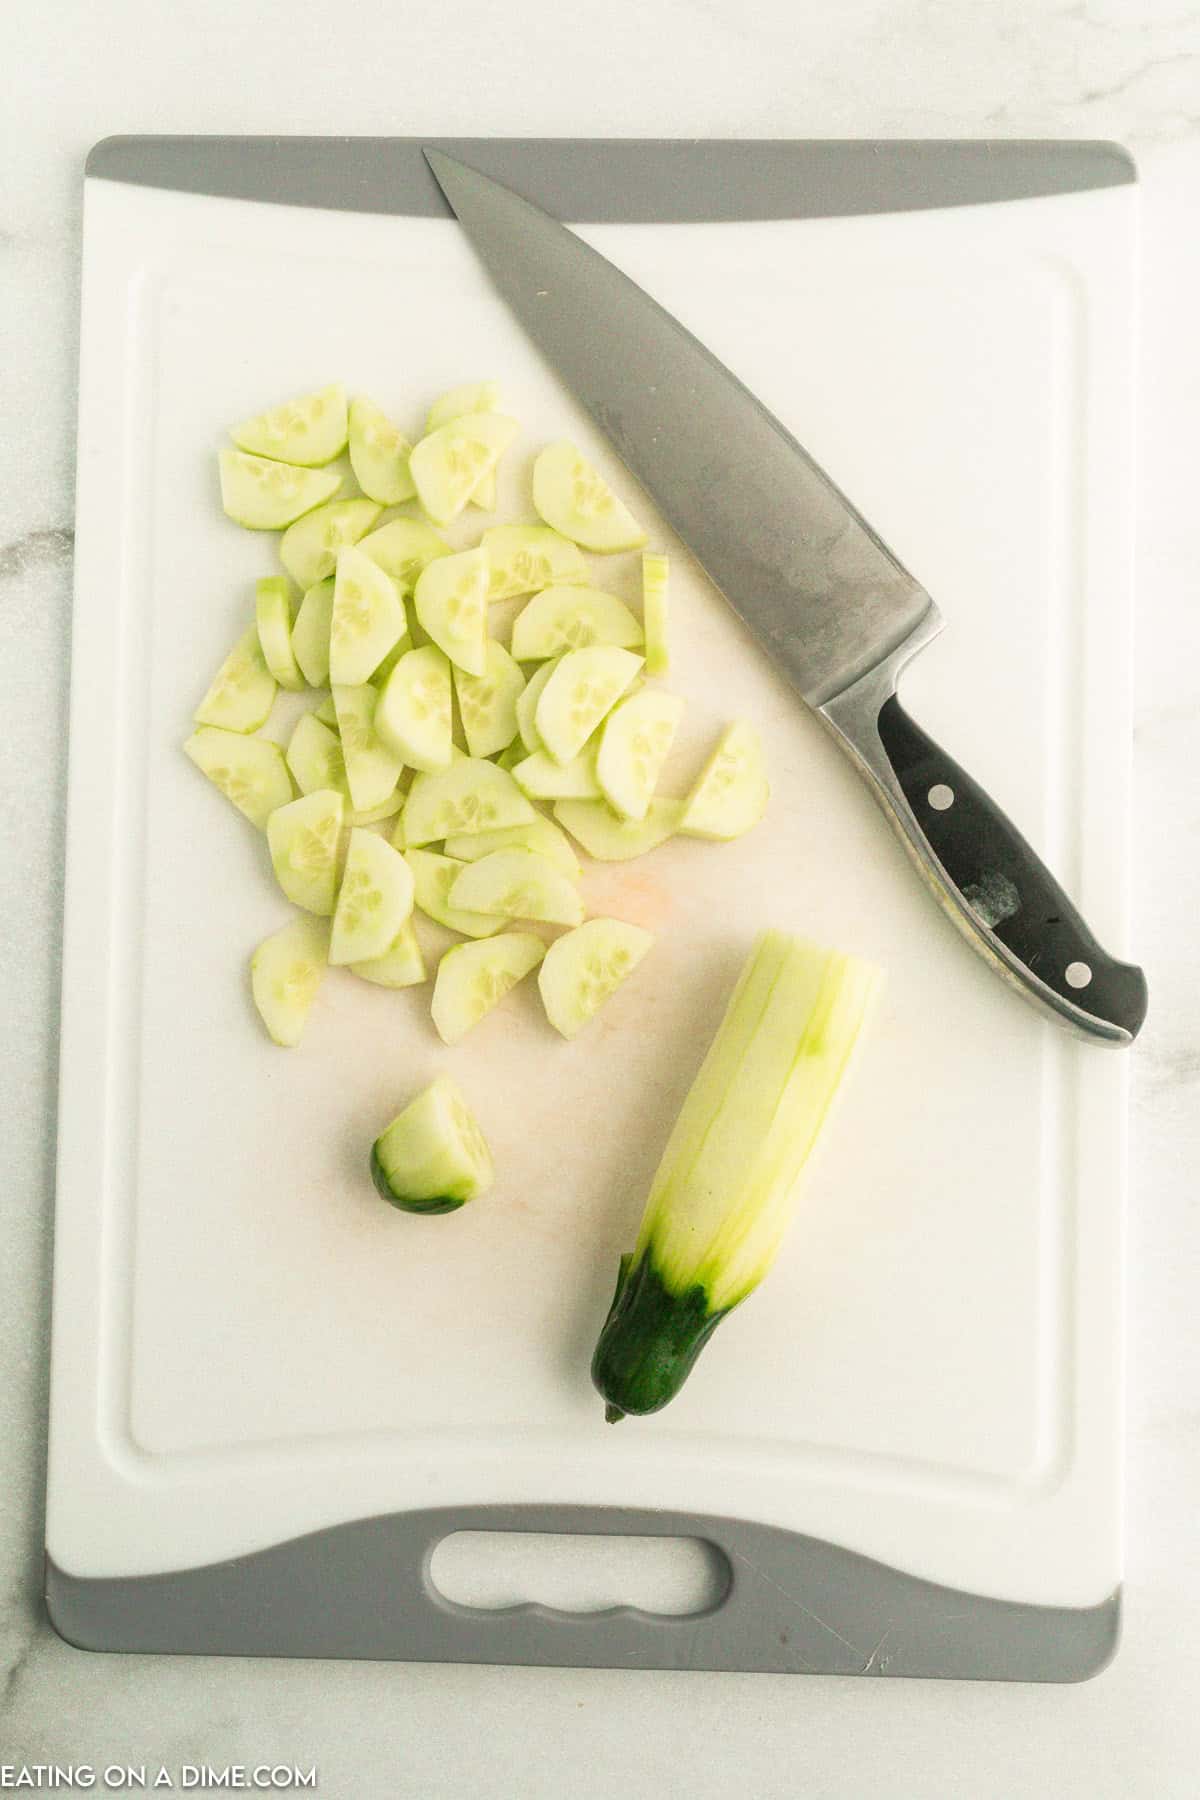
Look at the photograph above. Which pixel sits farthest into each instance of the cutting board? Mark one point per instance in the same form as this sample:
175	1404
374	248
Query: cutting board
271	1395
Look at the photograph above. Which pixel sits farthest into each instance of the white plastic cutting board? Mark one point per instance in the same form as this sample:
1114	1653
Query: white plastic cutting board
247	1344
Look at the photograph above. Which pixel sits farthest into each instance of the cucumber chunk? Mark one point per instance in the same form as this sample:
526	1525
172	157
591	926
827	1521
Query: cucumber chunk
457	402
250	771
542	778
469	796
449	463
433	877
243	688
266	496
523	558
487	703
402	548
540	834
304	838
307	431
372	769
585	686
379	454
375	899
518	884
732	792
326	713
273	617
308	549
401	964
583	968
451	604
572	618
573	497
414	713
433	1158
656	569
473	978
634	744
310	633
285	973
314	755
527	706
610	839
368	617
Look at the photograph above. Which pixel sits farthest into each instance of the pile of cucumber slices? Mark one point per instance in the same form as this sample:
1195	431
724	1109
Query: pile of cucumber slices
418	779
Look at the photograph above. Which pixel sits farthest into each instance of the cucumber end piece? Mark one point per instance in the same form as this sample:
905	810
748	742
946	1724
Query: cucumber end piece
441	1203
649	1343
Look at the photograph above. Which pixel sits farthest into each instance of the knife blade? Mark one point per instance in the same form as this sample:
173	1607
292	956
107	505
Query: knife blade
815	583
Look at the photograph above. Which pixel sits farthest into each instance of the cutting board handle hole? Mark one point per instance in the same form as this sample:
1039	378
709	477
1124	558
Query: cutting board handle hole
579	1572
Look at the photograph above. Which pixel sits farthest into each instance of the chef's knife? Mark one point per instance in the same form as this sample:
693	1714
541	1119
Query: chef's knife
829	600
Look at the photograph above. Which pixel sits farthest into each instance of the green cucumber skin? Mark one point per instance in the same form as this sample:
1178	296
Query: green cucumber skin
439	1203
650	1340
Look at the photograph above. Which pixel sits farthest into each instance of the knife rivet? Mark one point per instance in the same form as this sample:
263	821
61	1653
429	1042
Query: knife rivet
940	797
1078	974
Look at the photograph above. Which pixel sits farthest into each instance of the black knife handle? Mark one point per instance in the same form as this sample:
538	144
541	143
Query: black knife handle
1007	889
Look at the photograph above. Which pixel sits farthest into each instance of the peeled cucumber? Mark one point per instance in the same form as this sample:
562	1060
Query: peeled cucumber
368	617
314	756
473	978
308	549
375	898
372	767
540	834
414	714
285	973
402	548
433	877
304	839
379	454
273	618
582	690
451	603
542	778
264	495
472	397
587	965
249	771
634	743
572	618
487	703
573	497
608	838
527	706
401	964
433	1158
448	464
469	796
518	884
308	431
310	633
732	792
243	688
524	558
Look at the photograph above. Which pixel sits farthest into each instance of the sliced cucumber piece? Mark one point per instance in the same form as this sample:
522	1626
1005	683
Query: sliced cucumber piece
583	968
449	463
433	1158
308	549
310	633
250	771
542	778
265	496
472	978
314	755
375	815
402	548
610	839
656	570
732	792
523	558
372	768
368	617
308	431
285	973
273	616
487	703
379	454
527	706
540	834
243	688
585	687
375	898
414	713
469	796
433	877
451	603
575	498
572	618
458	402
304	838
401	964
518	884
634	744
326	712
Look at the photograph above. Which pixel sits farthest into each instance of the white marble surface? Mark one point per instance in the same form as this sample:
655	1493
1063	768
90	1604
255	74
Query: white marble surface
1128	69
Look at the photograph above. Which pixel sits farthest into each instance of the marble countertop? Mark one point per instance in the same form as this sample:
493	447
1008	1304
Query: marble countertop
1127	69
